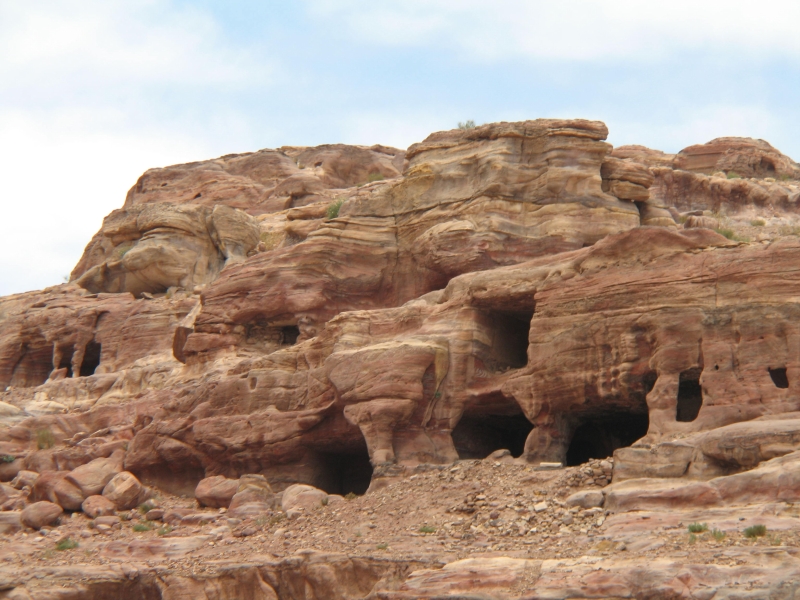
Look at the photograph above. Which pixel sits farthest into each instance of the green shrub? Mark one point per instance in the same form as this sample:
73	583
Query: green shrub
469	124
9	458
732	235
141	527
333	209
718	534
45	439
373	177
66	544
755	531
733	175
697	527
146	507
427	529
324	501
350	496
164	530
758	222
382	546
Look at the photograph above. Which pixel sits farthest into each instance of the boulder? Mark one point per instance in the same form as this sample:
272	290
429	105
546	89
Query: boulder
44	486
41	514
92	477
125	491
303	496
98	506
216	492
10	522
25	478
586	499
253	497
68	495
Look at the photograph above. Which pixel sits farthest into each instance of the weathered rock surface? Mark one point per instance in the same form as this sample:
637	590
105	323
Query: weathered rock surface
272	333
39	514
125	491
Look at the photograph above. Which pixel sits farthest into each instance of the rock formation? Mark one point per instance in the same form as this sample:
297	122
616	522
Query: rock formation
273	331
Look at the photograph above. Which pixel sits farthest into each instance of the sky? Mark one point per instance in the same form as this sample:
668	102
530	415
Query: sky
94	92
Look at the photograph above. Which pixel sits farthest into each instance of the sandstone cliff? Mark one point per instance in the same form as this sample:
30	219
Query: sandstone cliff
347	318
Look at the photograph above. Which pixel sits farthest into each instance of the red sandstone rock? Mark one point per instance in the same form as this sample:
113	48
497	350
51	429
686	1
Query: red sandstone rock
98	506
40	514
216	492
303	497
125	491
92	477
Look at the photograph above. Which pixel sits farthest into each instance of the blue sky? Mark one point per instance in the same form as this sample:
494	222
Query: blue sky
96	91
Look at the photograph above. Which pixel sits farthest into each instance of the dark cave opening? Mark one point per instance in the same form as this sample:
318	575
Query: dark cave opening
779	378
66	360
344	472
690	396
290	334
598	437
91	359
478	435
509	345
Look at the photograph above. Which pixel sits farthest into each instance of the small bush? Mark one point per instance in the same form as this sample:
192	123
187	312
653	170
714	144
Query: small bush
275	519
382	546
146	507
469	124
324	501
333	209
350	496
732	235
373	177
427	529
45	439
141	527
66	544
692	538
697	527
758	222
9	459
733	175
795	231
755	531
164	530
718	534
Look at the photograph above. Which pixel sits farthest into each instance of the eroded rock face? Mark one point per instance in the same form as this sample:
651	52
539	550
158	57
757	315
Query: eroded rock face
516	292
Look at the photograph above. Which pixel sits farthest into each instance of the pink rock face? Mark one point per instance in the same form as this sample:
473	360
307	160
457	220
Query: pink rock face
125	491
745	157
304	497
216	492
41	514
98	506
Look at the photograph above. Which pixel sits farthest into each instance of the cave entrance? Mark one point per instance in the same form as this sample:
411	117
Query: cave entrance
66	360
779	378
345	472
690	396
509	340
478	435
289	334
598	437
91	359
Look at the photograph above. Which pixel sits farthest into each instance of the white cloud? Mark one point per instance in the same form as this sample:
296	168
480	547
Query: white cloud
129	41
61	174
583	30
83	112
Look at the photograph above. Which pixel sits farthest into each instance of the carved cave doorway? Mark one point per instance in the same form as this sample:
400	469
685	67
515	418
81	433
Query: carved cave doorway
344	472
599	436
478	435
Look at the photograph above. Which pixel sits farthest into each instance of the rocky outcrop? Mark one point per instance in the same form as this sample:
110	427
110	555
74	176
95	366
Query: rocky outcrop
270	336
